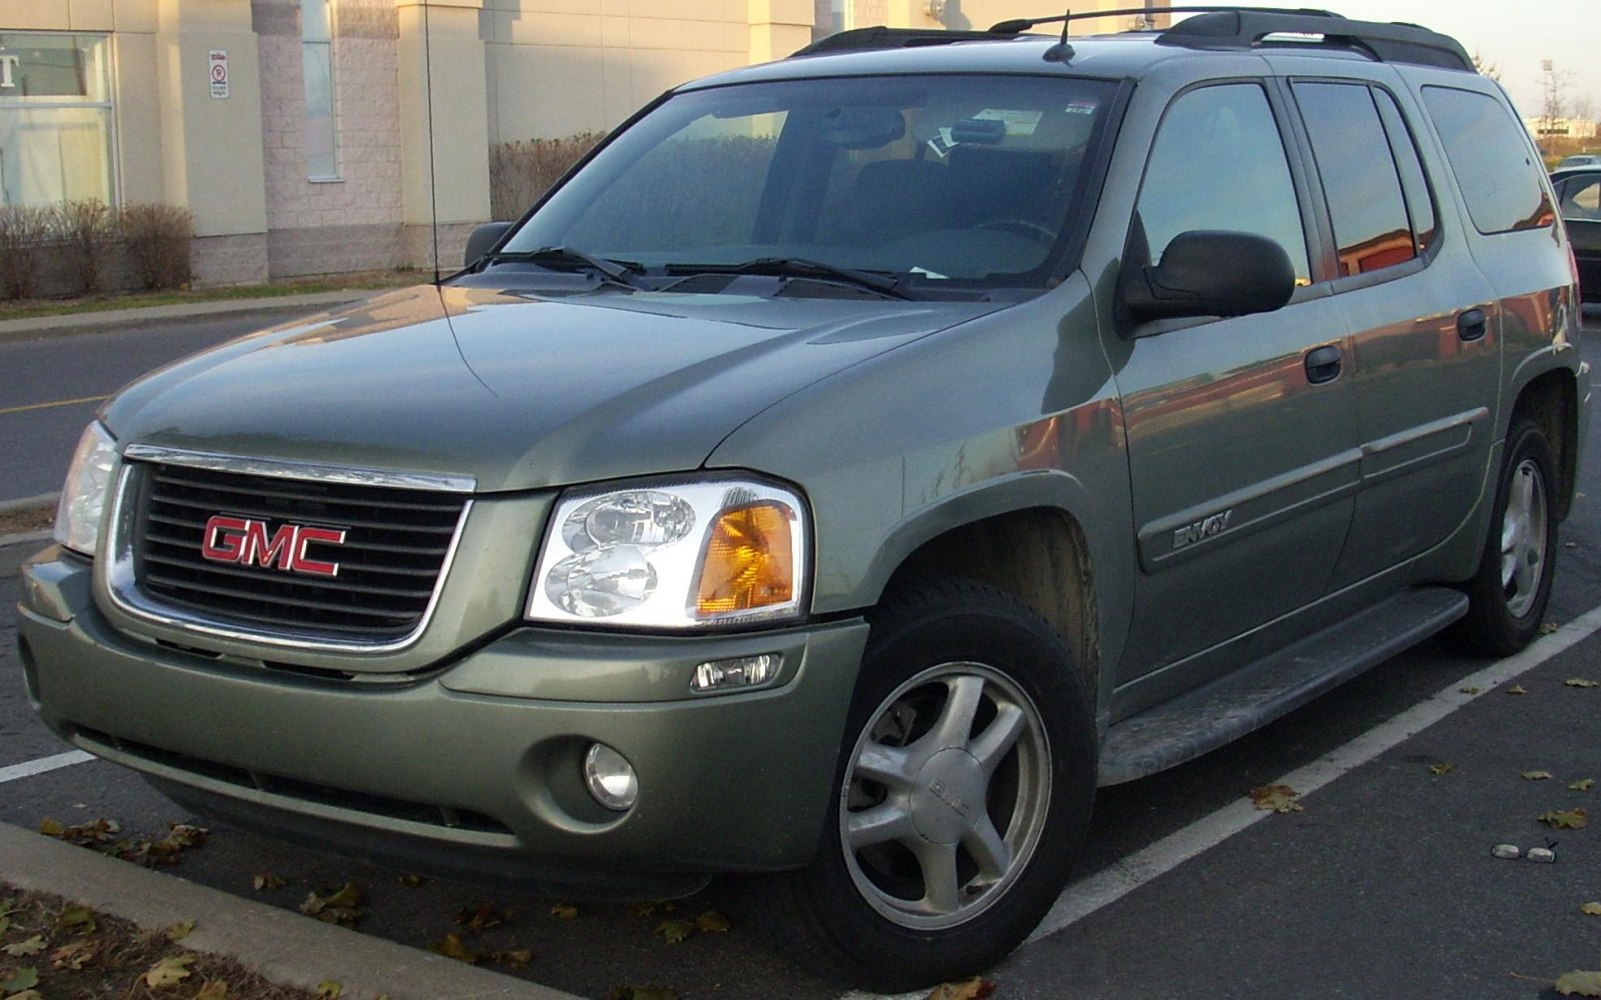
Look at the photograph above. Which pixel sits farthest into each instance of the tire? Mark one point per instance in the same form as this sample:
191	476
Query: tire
966	698
1508	596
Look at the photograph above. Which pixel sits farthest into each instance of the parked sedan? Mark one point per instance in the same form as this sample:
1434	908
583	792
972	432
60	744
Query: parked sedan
1580	160
1579	200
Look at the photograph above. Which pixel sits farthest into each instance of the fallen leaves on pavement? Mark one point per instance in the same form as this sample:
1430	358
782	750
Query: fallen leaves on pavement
1441	769
342	907
169	971
1276	798
1593	909
1585	983
1580	682
452	947
1537	775
1570	819
482	917
267	880
1582	785
971	989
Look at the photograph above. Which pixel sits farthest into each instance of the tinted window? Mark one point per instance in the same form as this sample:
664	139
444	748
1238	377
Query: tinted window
1492	160
1219	163
1581	198
1419	199
1360	181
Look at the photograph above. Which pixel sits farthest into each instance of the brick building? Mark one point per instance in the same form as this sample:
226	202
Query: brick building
306	135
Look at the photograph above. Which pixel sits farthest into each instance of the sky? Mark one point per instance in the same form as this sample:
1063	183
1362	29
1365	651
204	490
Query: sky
1512	35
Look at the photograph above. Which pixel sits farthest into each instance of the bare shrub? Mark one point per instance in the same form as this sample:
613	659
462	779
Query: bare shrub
157	238
87	230
519	172
23	231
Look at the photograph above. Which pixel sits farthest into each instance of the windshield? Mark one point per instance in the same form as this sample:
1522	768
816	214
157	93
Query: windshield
938	181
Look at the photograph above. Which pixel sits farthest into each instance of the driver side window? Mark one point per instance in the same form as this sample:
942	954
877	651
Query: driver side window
1219	163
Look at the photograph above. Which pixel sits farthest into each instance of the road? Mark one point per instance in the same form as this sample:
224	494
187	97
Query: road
1383	886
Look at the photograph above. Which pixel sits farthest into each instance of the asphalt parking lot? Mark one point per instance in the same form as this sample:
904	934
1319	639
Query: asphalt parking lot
1381	885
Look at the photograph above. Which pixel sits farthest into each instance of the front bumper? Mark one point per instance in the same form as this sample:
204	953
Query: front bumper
472	766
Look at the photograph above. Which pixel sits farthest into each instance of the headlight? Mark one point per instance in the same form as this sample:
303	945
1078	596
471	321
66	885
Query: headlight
83	498
673	555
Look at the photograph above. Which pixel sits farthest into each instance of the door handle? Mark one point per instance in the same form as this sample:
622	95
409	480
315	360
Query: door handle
1471	325
1323	364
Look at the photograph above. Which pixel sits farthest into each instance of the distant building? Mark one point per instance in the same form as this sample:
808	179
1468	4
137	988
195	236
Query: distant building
1562	128
306	135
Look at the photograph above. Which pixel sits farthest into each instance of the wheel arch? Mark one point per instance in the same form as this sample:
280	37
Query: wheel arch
1551	400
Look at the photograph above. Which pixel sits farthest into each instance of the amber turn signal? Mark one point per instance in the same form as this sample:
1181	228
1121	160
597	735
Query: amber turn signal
749	561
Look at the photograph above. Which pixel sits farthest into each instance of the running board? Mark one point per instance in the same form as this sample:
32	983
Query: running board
1202	720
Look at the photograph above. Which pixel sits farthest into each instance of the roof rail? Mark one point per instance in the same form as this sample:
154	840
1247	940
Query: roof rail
1217	27
880	37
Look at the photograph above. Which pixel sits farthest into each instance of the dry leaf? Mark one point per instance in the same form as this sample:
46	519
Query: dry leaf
77	920
565	911
1572	819
1546	628
177	932
25	978
650	909
73	956
329	990
481	918
340	907
1537	775
1517	689
1277	798
516	959
971	989
1593	909
712	922
1580	682
675	930
169	972
451	947
267	880
1579	984
1582	785
1441	768
32	946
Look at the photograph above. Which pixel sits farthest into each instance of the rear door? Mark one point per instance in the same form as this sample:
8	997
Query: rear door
1579	203
1425	349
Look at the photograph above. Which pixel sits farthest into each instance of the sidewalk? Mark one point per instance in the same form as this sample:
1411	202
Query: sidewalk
285	947
68	323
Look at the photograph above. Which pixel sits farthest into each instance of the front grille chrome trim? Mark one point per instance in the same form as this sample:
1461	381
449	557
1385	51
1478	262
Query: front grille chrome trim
121	584
294	470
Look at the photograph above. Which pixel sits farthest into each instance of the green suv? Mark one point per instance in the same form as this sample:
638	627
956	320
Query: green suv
847	468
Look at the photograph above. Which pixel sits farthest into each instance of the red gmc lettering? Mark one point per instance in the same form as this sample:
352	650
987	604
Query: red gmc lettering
245	541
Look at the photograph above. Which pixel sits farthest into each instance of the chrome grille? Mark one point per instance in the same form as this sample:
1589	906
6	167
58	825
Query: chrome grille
395	547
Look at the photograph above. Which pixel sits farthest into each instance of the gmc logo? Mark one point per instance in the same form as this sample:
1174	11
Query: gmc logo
245	541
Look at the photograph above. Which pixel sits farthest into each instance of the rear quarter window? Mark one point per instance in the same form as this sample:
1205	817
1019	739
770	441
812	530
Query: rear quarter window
1492	161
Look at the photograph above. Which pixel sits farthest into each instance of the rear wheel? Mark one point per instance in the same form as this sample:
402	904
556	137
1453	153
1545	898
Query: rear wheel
963	792
1508	596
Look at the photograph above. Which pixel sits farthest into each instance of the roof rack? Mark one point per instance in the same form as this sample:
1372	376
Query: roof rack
1245	27
880	37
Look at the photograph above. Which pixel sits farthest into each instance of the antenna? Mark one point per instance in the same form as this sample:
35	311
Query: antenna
1062	52
433	187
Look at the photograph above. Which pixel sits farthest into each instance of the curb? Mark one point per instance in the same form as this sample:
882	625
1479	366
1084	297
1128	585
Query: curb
39	327
285	947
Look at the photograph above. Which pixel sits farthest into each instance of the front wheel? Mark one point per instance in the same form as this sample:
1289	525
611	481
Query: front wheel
1508	596
963	792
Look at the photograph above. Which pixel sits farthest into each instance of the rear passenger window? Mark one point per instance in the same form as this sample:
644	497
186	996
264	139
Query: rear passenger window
1360	181
1219	163
1581	199
1491	159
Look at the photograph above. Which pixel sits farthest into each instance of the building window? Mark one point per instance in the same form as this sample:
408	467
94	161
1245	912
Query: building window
316	54
55	119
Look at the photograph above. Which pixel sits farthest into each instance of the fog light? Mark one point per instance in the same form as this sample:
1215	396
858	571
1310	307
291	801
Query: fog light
610	778
741	671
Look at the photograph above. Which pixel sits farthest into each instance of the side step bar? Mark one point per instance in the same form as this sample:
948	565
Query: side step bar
1202	720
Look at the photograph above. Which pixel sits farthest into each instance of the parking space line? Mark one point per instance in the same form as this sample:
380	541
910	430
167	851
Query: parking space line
29	768
45	406
1088	895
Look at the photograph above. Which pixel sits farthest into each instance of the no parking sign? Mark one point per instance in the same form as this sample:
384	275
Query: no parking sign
219	74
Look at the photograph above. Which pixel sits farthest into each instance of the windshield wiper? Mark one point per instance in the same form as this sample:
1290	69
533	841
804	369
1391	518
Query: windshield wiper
566	258
800	267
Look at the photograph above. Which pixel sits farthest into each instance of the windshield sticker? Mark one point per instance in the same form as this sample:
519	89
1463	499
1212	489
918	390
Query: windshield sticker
942	143
1080	108
1017	122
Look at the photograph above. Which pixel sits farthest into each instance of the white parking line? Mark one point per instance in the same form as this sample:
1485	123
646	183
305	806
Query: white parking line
1085	896
29	768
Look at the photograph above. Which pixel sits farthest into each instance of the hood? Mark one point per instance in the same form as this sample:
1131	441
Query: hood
512	389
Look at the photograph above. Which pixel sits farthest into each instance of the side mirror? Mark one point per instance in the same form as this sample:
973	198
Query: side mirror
483	240
1208	272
